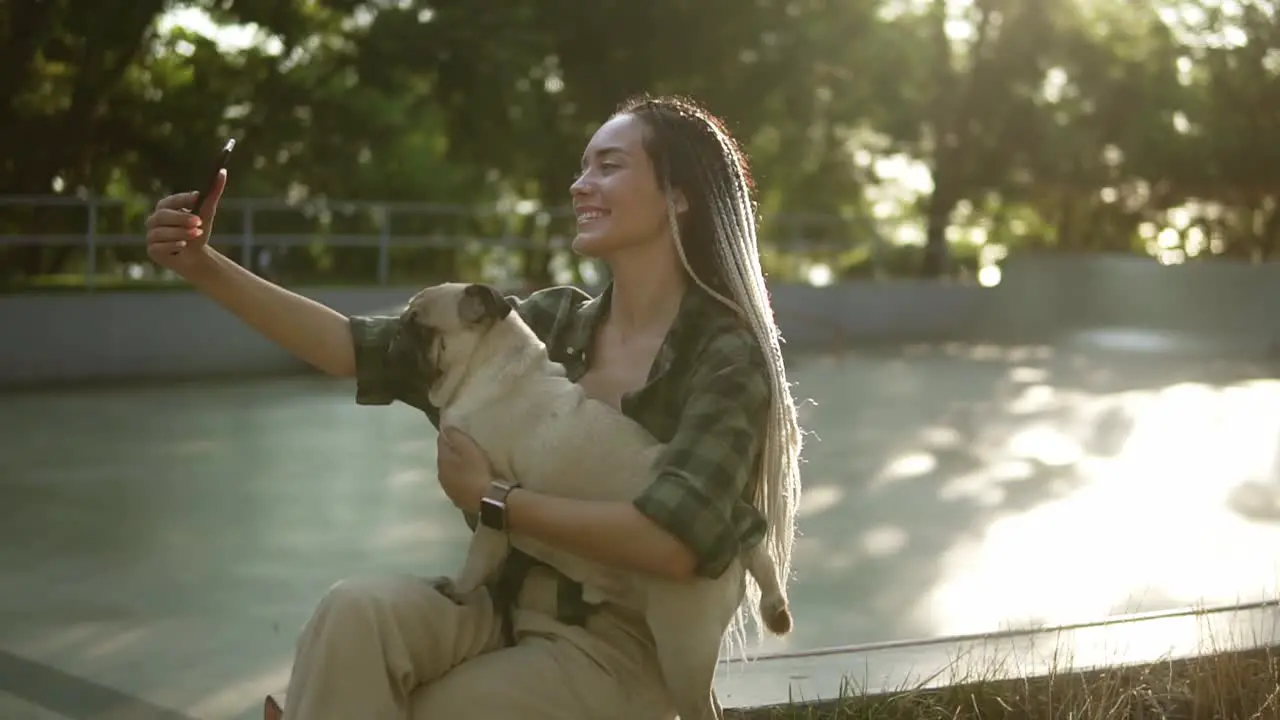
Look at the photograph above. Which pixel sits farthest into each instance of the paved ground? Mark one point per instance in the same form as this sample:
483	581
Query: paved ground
163	544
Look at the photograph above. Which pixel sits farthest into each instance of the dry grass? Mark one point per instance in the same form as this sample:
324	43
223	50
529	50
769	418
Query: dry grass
1243	685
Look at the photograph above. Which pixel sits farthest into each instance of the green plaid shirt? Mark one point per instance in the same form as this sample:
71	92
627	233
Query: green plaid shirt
707	398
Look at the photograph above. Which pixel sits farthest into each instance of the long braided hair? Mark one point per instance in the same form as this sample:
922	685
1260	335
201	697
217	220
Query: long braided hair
694	153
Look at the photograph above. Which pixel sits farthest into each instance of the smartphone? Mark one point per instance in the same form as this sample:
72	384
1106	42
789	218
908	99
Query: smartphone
219	166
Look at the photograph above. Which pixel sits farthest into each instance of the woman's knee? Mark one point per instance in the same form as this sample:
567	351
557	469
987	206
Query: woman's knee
542	678
352	597
360	592
366	605
354	604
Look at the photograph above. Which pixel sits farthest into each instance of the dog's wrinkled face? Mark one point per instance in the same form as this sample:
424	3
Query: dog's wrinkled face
441	326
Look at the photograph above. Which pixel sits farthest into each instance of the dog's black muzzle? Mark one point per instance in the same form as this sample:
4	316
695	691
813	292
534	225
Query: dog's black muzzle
410	352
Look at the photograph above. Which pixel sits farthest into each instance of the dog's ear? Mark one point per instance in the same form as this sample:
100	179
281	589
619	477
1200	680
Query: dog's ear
482	303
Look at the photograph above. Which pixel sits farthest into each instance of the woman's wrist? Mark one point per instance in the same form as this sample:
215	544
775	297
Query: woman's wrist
517	505
493	504
204	265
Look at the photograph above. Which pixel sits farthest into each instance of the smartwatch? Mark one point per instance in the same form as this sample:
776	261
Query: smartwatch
493	506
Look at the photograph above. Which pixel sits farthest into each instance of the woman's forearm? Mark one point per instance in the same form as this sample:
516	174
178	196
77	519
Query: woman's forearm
311	331
611	533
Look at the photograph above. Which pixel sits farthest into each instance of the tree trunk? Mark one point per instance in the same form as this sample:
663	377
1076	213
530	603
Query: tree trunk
937	253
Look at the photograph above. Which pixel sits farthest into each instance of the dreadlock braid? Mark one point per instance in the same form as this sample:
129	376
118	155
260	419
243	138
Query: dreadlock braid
717	244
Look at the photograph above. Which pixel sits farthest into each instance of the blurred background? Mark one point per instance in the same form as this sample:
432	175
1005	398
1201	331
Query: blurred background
889	137
1021	251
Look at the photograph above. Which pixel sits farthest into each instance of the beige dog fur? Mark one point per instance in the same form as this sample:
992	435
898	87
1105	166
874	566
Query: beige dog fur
491	377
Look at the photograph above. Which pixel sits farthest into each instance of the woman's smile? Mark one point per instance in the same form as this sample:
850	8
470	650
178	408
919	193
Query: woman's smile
588	213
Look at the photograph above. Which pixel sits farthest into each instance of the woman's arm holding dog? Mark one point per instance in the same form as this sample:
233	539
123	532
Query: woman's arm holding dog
707	474
611	533
692	519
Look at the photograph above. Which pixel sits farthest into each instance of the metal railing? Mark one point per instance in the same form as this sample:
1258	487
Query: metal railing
380	225
1021	632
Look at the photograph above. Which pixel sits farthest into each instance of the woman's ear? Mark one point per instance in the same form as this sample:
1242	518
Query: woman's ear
679	201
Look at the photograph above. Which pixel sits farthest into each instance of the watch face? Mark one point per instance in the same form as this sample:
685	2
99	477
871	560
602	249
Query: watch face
491	514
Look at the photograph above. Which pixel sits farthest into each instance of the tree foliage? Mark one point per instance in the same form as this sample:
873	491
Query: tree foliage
1075	124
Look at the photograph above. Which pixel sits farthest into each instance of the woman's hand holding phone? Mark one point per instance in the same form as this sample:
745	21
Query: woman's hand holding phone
177	237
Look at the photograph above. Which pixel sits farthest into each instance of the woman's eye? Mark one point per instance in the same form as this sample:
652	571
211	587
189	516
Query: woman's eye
607	166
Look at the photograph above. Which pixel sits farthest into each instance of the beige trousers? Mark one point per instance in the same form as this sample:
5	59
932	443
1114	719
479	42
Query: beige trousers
394	648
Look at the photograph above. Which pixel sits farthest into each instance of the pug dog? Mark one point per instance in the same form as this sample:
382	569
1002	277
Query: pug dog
491	377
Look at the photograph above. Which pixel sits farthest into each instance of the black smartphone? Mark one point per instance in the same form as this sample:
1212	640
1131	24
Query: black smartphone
219	166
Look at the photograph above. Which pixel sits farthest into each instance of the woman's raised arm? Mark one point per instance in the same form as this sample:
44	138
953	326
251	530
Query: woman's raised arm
178	240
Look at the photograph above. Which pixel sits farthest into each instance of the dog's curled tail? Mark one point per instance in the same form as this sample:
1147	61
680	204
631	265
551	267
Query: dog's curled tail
776	614
774	609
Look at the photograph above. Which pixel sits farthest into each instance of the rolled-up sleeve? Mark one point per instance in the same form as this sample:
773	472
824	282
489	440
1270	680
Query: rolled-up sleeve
699	493
376	383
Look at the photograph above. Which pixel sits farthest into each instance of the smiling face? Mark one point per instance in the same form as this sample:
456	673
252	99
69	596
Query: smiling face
616	198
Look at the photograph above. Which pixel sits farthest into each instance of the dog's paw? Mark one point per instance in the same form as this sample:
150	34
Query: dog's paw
445	586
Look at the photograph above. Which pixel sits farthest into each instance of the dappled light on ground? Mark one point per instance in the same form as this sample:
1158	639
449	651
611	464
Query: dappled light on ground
1147	524
230	698
1029	485
948	489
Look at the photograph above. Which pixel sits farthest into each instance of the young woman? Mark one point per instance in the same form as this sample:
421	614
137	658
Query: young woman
683	341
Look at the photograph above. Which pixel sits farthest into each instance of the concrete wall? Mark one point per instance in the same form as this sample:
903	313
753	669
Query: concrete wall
111	335
103	336
860	312
1233	306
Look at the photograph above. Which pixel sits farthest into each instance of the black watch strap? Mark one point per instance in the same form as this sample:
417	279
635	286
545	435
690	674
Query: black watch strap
493	506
